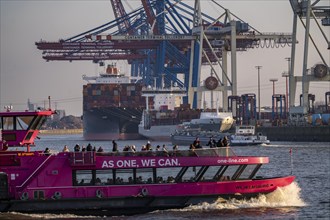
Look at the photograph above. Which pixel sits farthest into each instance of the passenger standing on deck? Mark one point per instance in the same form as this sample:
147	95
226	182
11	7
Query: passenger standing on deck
197	143
114	146
89	147
65	148
164	150
176	150
143	148
219	143
211	143
47	151
225	141
77	148
148	146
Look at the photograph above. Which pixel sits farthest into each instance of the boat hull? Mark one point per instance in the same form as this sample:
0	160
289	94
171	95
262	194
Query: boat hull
111	123
249	143
159	133
296	133
189	139
116	201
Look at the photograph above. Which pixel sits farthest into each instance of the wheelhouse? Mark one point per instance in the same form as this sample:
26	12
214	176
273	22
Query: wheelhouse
18	129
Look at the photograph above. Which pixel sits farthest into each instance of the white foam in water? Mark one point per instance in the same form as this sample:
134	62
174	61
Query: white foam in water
51	216
288	196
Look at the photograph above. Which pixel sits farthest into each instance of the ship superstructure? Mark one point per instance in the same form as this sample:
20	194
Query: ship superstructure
165	112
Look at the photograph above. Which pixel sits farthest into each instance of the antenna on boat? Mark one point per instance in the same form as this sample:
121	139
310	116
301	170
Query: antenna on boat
291	160
49	107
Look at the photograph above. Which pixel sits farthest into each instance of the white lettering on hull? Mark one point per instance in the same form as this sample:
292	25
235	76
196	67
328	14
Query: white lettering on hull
140	163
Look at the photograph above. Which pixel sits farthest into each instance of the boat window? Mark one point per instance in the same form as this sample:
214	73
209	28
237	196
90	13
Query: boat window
23	122
210	172
190	174
238	172
144	175
227	175
167	175
178	177
82	177
104	177
255	171
246	174
200	174
28	136
37	122
123	176
8	123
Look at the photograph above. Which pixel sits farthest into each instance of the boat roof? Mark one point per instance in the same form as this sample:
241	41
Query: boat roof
27	113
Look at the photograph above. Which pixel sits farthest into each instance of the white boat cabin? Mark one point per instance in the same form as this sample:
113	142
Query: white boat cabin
245	130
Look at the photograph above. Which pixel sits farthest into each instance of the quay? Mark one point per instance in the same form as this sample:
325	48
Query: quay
61	131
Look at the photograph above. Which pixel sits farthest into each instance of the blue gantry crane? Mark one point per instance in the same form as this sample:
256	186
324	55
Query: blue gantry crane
168	40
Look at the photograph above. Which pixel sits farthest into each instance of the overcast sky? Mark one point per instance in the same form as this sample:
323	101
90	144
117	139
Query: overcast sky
25	75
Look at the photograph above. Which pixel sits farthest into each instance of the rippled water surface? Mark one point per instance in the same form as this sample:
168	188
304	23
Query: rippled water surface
307	198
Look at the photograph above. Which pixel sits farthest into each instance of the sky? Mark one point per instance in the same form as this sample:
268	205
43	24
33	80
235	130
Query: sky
25	75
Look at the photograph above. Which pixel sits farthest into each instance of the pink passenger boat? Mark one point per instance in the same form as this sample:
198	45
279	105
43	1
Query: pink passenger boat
117	183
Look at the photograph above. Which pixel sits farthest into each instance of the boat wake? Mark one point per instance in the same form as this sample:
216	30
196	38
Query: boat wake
18	216
288	196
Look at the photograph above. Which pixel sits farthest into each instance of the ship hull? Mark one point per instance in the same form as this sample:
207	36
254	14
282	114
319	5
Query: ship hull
112	123
178	197
296	133
184	139
159	133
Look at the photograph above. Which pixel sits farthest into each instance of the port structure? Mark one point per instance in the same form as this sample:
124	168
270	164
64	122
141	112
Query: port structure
169	38
305	11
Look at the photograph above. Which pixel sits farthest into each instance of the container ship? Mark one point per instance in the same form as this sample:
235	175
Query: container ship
112	106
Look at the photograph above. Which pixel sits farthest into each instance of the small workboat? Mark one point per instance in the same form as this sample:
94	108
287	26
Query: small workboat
245	136
118	183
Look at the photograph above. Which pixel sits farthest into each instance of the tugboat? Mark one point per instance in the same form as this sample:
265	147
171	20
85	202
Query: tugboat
118	183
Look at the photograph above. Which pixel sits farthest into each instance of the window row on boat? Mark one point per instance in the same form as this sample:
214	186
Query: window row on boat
89	177
24	122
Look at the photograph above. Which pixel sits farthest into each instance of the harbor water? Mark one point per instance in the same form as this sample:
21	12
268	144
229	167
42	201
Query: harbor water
307	198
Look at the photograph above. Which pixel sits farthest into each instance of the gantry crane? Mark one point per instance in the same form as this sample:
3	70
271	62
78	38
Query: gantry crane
157	39
305	9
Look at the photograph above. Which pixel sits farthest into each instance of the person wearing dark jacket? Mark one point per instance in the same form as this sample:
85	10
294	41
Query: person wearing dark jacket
114	146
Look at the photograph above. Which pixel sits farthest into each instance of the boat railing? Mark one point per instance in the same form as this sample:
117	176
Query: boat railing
82	158
203	152
218	151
